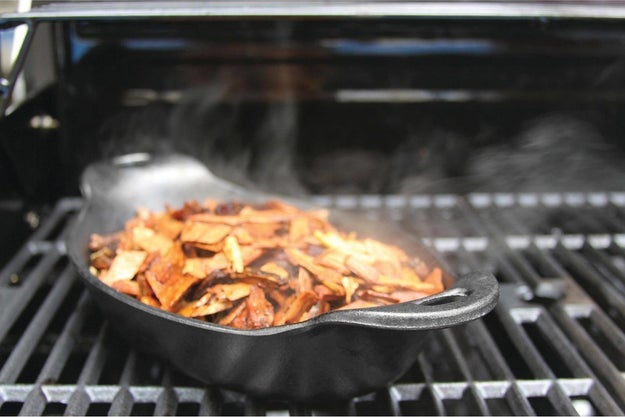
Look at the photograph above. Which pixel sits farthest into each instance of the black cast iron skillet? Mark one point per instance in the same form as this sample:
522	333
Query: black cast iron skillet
337	355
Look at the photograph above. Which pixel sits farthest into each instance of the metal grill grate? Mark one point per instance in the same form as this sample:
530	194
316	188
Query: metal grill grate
559	352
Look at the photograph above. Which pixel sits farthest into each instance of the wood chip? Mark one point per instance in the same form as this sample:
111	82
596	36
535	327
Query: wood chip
202	267
299	306
260	312
233	254
125	266
204	233
350	285
127	287
166	278
273	268
304	281
300	228
227	319
362	269
151	241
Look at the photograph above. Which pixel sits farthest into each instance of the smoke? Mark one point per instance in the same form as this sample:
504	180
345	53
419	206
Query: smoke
427	160
253	141
250	144
241	121
347	171
140	130
276	139
555	152
205	125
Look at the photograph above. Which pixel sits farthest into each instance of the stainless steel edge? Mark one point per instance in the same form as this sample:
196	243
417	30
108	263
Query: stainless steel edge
300	9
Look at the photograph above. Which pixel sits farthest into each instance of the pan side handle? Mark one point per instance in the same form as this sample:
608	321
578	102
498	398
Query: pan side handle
152	180
472	296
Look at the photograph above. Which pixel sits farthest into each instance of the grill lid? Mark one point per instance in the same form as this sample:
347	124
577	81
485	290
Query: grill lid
88	10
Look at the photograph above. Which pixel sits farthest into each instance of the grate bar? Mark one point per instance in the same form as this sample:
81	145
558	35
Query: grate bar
561	401
606	371
35	330
78	403
15	265
597	286
167	401
210	403
61	211
511	324
514	265
19	298
122	403
35	403
128	372
525	200
484	342
517	401
607	328
556	339
391	402
613	222
95	361
53	367
426	368
452	346
568	388
610	271
603	401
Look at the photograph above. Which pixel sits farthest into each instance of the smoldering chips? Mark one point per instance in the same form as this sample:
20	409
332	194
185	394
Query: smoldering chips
254	266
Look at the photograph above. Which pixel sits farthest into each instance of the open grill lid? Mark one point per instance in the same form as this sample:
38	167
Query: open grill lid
89	10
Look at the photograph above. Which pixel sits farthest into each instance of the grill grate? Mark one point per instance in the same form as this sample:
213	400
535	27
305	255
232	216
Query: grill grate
559	352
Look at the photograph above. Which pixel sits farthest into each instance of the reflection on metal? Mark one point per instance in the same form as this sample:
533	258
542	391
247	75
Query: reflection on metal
32	218
142	97
7	85
133	159
466	95
412	47
299	8
19	35
416	96
43	122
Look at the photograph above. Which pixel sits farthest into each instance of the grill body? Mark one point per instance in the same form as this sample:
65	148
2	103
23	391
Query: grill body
491	131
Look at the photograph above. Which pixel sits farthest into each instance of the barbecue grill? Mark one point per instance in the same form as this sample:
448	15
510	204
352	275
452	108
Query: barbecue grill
491	130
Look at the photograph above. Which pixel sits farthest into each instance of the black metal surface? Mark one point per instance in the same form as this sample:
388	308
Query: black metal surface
333	356
527	357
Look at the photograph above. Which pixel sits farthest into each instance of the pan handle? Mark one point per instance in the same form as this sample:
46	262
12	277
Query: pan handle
472	296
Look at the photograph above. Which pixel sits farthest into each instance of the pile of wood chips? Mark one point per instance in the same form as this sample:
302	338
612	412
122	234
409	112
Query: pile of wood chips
253	266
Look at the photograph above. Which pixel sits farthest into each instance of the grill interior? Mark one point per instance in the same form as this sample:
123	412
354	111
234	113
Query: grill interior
484	130
560	353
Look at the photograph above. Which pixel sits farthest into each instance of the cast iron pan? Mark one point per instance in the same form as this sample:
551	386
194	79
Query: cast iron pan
334	356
